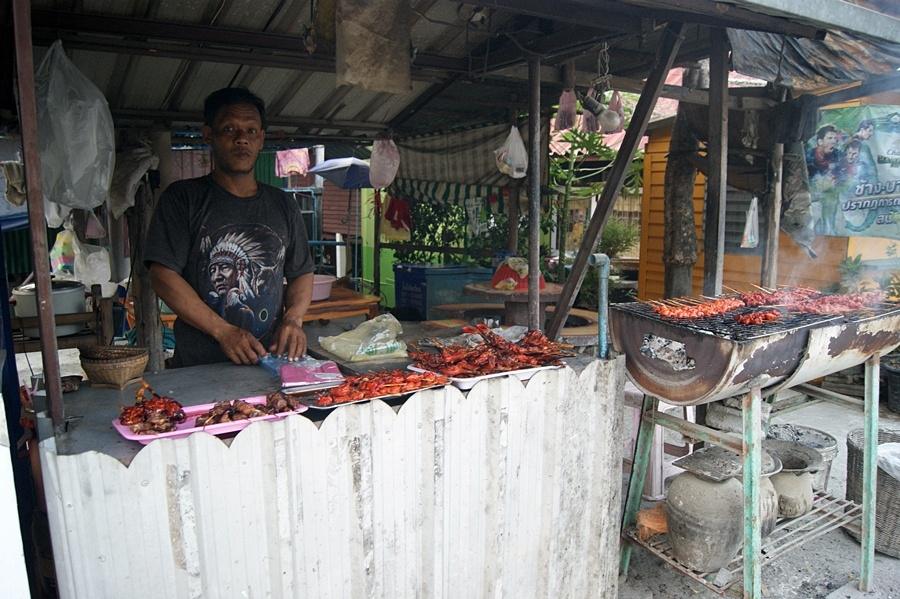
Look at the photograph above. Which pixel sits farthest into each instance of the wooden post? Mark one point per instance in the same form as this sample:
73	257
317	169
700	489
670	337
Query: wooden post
680	235
512	243
535	318
668	49
37	225
717	153
146	303
769	274
639	466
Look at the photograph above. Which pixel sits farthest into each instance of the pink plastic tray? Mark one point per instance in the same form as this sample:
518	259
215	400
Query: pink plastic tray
187	427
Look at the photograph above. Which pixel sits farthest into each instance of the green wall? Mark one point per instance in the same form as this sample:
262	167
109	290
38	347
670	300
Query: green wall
367	196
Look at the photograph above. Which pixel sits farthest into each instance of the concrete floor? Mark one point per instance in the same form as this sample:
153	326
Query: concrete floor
816	570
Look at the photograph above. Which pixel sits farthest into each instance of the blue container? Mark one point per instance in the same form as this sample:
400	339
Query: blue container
421	287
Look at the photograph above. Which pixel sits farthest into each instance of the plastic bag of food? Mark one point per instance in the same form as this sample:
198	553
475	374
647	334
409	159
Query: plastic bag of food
512	157
384	163
374	339
750	239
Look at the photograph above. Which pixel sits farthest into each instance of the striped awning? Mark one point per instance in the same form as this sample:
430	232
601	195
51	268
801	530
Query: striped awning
442	192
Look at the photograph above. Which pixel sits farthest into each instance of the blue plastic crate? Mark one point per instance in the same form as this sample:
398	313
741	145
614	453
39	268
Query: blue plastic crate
420	287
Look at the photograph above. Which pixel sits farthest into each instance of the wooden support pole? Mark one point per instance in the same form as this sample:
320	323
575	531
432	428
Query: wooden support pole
146	302
37	226
752	474
639	466
769	274
512	242
668	49
870	476
535	318
717	154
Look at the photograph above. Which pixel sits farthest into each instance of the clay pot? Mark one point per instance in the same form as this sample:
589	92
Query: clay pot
705	521
794	483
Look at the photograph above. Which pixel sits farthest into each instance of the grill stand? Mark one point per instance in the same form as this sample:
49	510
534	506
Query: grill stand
828	513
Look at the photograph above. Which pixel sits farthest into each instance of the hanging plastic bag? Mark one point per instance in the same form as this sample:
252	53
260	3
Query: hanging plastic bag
612	119
374	339
565	115
750	239
91	265
76	137
62	254
512	158
384	163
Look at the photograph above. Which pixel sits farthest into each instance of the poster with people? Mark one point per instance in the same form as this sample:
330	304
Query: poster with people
854	172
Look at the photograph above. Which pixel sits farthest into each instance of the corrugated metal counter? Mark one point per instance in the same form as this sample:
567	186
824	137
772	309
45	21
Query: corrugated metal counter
507	491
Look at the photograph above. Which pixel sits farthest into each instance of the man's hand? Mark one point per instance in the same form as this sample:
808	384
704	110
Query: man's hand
290	340
240	346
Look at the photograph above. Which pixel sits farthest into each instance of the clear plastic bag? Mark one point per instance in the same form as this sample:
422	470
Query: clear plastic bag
374	339
384	163
91	263
512	157
750	239
75	133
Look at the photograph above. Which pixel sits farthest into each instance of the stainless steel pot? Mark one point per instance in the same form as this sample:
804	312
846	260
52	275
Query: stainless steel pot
68	298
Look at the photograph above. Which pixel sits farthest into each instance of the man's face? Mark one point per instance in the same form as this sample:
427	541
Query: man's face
236	138
828	142
852	155
866	132
223	276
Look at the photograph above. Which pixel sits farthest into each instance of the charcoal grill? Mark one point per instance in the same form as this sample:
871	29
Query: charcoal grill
696	361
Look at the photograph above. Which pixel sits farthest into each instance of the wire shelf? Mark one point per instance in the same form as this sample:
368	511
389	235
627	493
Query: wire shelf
828	513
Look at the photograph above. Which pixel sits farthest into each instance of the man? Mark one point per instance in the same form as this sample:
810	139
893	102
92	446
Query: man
855	168
220	247
824	158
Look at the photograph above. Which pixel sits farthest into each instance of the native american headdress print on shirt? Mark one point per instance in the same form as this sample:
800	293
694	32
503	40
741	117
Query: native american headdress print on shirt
241	275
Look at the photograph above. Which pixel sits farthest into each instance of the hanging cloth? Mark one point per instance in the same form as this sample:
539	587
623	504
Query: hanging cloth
396	221
291	162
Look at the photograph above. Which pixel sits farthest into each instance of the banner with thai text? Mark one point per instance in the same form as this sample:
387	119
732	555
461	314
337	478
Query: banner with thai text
854	172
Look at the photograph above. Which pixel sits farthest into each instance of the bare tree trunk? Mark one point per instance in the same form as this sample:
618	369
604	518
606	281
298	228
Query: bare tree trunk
680	239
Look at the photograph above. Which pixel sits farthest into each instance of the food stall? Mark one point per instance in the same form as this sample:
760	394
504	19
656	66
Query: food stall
447	492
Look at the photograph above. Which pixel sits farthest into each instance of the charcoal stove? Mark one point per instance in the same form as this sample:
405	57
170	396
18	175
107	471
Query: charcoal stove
696	361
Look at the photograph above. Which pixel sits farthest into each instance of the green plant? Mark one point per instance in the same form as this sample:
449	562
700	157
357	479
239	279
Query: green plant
851	269
618	237
891	285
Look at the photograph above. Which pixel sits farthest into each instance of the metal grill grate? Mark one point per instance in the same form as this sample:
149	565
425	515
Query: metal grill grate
724	325
828	513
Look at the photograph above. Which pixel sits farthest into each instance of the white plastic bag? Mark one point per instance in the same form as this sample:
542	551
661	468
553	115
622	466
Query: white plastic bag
374	339
76	137
889	459
384	163
750	239
512	158
91	263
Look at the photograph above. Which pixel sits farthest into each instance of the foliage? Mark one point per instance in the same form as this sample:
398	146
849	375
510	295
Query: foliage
891	285
851	269
618	237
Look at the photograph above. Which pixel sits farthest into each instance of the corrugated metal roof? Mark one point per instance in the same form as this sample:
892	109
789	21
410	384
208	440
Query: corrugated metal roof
161	78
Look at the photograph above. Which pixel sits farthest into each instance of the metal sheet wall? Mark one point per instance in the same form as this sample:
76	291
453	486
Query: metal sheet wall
507	492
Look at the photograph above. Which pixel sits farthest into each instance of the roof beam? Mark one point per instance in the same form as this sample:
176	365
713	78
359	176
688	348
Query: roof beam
226	43
143	115
697	96
716	14
565	11
846	16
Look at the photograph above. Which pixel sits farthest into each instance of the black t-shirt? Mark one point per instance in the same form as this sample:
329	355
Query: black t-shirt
235	253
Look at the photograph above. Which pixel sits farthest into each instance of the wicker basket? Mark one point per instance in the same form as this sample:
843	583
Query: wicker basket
113	366
887	502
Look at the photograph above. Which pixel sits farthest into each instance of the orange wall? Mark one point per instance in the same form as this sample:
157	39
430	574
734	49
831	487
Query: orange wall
794	266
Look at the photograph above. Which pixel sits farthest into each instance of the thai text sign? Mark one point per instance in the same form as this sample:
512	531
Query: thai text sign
854	172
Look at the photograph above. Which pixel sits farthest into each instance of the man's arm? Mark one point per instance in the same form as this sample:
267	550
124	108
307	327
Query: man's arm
239	345
290	339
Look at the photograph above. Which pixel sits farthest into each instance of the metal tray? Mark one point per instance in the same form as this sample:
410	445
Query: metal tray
187	427
311	400
467	383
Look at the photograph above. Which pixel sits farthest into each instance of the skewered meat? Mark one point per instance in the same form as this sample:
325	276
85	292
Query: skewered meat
238	409
701	310
759	317
780	297
151	412
494	355
379	384
839	304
